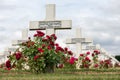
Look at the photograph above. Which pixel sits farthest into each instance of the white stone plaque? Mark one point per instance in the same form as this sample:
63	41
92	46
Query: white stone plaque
49	24
78	40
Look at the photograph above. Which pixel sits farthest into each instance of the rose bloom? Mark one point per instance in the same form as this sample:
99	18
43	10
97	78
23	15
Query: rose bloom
70	53
40	50
97	52
66	49
81	55
48	37
96	65
72	60
49	48
36	57
52	43
18	55
58	48
76	59
8	64
60	65
87	58
92	54
88	53
54	36
56	44
39	34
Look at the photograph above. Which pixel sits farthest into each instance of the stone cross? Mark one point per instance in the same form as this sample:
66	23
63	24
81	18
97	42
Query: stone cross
24	38
50	24
79	40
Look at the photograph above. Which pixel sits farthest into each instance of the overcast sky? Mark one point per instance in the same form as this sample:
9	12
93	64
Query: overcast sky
99	19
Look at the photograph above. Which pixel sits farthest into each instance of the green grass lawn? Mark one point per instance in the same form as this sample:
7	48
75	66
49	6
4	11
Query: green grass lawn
62	75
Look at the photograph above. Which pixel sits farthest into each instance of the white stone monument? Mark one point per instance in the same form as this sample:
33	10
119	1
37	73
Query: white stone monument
24	38
50	24
79	40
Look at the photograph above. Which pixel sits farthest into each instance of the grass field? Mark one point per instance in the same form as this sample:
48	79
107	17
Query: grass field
62	75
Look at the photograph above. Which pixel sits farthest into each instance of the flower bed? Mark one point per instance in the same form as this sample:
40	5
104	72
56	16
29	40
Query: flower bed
44	55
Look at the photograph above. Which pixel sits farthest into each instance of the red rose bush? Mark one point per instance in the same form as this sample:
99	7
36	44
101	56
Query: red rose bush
41	54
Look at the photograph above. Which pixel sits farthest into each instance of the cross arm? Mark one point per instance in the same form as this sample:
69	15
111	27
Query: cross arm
79	40
55	24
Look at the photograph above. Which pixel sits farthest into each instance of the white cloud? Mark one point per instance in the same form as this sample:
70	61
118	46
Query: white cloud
117	38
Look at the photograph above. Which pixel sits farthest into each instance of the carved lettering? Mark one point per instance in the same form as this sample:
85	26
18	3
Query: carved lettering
75	40
49	24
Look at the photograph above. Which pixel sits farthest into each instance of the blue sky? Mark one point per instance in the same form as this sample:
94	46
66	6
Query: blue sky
99	19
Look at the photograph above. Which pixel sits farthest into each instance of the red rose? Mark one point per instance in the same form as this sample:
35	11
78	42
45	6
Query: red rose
96	65
35	35
87	59
72	60
56	45
97	52
92	54
81	55
8	64
54	36
40	33
60	65
70	53
18	55
88	53
48	37
36	57
40	50
76	59
58	48
51	43
49	48
66	49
